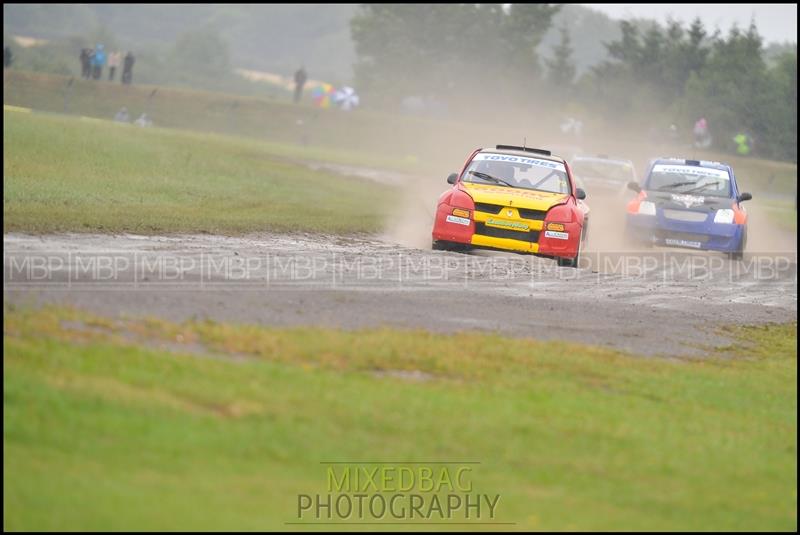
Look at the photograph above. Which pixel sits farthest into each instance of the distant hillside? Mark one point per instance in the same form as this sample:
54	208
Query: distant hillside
272	37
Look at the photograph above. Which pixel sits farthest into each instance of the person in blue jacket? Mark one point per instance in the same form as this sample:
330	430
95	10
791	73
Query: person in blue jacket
98	61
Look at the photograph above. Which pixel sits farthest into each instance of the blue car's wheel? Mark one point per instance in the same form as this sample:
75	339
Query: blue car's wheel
738	254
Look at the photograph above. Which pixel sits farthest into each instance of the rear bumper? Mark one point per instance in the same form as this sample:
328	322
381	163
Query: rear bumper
658	230
505	244
536	241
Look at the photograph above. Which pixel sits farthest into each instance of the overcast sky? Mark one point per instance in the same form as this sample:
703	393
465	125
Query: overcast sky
775	22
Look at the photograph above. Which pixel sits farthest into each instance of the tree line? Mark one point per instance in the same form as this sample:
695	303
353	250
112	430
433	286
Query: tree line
673	73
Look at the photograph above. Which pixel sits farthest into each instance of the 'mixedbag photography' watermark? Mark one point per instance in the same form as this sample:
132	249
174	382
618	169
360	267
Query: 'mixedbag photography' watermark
398	493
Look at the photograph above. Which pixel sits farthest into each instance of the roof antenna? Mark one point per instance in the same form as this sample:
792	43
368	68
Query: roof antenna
524	141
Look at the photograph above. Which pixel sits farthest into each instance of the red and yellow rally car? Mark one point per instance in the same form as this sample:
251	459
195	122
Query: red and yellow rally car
514	199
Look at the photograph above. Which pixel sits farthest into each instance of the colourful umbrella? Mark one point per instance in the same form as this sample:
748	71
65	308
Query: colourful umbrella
322	95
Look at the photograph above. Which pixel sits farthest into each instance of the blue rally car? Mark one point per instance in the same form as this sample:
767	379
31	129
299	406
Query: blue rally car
688	203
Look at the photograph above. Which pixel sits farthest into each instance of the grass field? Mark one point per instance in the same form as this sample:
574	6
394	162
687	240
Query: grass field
782	212
393	138
141	424
62	173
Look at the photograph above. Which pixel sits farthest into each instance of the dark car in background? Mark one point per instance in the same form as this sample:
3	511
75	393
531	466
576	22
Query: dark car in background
603	175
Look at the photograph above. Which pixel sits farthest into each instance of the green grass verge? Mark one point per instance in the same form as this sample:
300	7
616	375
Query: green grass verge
366	137
66	174
103	430
771	177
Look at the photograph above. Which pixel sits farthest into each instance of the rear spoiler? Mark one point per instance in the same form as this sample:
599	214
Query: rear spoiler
525	149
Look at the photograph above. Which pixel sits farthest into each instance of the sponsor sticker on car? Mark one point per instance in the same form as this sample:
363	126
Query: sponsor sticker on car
682	243
457	220
502	223
520	159
688	200
557	235
691	170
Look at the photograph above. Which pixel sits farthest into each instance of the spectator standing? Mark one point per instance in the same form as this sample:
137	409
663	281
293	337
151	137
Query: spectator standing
114	59
300	78
86	68
702	138
127	68
98	61
8	57
744	144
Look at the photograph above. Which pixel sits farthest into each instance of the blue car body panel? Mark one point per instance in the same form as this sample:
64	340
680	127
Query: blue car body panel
706	235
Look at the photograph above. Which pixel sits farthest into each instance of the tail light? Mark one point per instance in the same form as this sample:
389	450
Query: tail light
561	214
739	215
633	205
461	200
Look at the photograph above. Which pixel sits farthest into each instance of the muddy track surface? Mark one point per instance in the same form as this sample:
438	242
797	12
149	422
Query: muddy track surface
658	302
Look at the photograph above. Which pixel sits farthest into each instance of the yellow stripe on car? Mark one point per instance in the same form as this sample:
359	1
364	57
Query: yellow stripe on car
504	243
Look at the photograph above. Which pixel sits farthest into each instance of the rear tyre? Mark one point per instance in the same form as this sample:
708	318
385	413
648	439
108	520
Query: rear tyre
441	245
572	262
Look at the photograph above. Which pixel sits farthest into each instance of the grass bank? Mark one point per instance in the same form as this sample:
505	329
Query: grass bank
142	424
66	174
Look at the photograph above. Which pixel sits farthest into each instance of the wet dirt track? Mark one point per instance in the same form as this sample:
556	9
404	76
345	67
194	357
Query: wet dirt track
659	302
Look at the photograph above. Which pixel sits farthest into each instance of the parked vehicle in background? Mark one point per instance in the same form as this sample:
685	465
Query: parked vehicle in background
603	175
